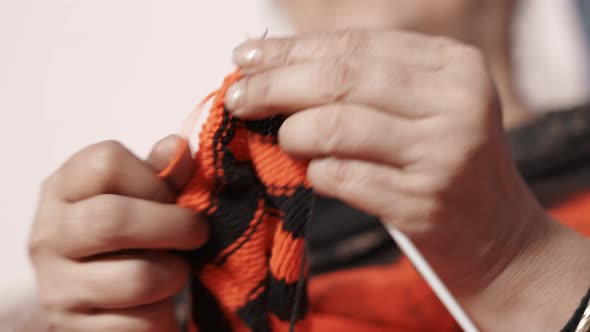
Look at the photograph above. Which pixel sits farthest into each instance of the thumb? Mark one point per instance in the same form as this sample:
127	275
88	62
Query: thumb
171	157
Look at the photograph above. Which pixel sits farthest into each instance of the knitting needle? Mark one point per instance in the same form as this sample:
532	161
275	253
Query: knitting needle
420	263
264	34
439	288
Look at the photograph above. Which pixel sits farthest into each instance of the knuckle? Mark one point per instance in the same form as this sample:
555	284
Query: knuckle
435	186
474	104
458	55
441	44
287	52
104	160
45	229
331	124
53	302
401	78
341	174
262	86
337	80
38	243
320	174
166	145
54	324
446	48
471	54
47	184
348	177
142	281
353	41
465	99
50	303
469	63
106	219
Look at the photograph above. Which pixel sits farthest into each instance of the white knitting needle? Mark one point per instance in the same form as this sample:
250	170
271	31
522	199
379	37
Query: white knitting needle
439	288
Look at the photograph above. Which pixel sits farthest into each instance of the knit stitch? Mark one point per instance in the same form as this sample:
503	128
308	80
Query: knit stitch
252	273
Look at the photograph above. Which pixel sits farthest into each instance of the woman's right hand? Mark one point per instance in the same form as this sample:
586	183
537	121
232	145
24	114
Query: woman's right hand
104	237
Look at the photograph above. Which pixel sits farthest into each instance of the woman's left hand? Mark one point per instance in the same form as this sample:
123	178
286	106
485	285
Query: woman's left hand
406	127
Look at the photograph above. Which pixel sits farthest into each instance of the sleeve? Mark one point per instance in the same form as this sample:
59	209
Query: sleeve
580	321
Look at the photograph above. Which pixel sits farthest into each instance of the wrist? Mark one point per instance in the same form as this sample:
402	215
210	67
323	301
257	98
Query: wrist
491	238
541	286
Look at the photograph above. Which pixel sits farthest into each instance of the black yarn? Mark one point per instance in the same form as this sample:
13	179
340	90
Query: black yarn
577	317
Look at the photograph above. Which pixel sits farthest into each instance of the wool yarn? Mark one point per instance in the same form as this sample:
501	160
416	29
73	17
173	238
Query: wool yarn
252	273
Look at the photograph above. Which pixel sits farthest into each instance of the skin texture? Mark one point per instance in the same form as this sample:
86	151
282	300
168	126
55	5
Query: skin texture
456	18
485	24
402	125
407	127
102	240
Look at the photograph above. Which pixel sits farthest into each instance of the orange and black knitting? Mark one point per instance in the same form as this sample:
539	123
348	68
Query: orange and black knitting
251	275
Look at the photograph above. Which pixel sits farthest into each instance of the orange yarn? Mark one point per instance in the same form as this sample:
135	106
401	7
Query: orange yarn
258	200
575	213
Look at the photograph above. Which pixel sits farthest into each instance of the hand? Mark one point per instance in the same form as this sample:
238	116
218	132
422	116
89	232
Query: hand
484	24
469	20
103	237
406	127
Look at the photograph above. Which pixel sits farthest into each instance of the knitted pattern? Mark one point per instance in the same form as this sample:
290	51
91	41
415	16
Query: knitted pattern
251	275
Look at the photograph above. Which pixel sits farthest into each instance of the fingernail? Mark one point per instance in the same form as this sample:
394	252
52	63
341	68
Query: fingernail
246	55
234	96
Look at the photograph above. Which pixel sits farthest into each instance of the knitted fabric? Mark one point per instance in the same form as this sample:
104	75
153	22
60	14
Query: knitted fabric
251	274
258	203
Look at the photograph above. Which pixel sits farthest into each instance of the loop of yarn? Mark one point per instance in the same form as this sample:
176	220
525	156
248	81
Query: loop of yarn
251	275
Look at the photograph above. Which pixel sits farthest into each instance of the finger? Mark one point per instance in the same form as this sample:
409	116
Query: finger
157	317
410	48
108	223
108	168
173	149
350	131
390	87
126	280
376	189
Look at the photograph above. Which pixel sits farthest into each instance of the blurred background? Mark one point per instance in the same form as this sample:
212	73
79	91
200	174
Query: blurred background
75	72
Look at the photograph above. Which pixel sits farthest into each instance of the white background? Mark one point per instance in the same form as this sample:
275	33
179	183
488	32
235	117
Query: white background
73	72
76	72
